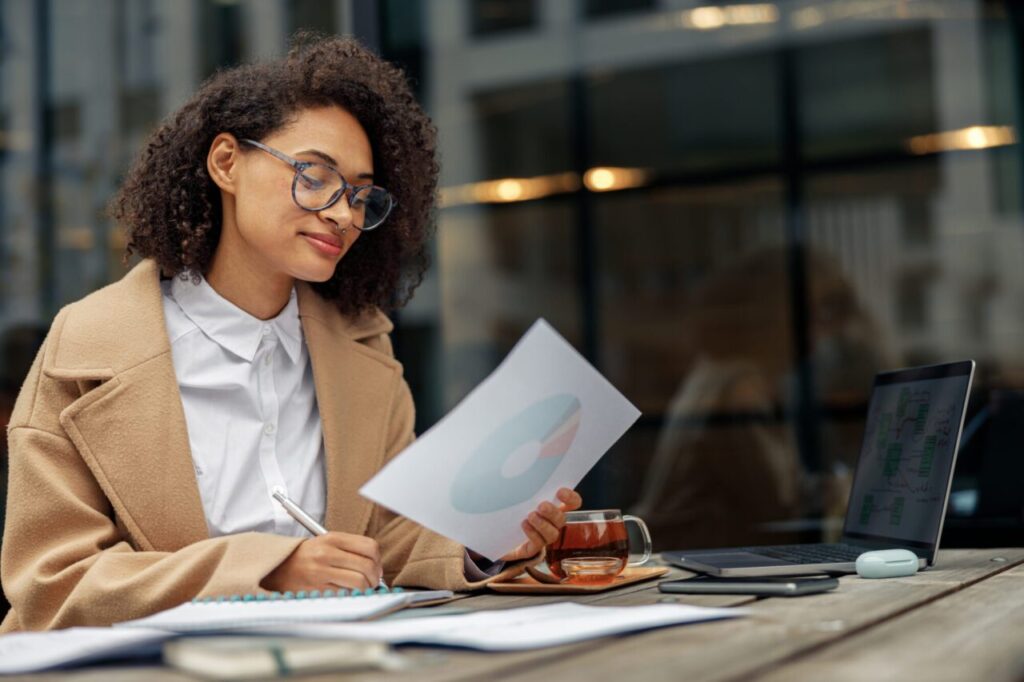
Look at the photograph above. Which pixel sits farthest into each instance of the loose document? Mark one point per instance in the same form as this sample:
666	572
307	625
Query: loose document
530	627
539	422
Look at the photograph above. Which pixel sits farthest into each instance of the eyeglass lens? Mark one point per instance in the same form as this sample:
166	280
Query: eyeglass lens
317	186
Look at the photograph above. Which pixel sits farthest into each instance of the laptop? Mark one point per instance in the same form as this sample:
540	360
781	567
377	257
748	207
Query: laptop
900	489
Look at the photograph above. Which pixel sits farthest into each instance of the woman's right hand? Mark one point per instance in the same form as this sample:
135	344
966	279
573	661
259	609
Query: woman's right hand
328	562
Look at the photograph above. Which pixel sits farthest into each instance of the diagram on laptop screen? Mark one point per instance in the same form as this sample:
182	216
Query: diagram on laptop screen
903	472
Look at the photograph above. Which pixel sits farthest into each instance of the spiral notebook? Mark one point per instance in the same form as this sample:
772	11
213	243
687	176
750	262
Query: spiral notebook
241	612
278	614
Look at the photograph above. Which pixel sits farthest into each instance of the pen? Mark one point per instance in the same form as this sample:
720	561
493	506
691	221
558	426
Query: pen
307	521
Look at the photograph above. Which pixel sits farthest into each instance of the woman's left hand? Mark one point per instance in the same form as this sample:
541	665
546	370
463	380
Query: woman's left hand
543	525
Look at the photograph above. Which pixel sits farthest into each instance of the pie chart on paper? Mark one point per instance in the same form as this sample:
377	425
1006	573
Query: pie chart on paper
548	426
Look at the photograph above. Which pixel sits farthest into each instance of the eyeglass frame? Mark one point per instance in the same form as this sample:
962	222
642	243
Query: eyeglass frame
300	166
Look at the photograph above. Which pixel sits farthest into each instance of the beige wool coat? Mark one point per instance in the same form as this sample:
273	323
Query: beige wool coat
104	517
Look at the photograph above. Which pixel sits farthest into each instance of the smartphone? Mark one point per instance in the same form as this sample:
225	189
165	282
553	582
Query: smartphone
769	587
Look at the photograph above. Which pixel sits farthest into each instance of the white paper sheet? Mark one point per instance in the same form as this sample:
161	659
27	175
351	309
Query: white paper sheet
531	627
539	422
23	652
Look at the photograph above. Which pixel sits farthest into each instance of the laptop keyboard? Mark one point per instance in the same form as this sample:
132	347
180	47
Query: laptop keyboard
812	554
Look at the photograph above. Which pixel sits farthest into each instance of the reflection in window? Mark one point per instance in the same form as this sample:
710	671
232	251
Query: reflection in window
912	301
655	246
504	267
524	131
687	116
867	94
918	227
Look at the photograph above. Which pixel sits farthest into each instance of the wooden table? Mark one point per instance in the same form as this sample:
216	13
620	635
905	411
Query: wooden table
962	620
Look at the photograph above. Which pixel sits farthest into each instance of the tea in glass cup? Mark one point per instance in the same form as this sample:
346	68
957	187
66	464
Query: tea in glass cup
593	547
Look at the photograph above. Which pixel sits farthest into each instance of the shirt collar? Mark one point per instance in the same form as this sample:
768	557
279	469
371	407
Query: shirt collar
231	327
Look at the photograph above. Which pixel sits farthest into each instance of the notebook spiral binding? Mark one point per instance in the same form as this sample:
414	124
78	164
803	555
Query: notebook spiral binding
301	594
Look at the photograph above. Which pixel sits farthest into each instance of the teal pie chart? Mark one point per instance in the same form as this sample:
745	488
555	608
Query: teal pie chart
481	486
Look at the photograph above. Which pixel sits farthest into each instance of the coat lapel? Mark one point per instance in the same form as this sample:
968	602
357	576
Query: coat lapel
130	427
355	389
131	431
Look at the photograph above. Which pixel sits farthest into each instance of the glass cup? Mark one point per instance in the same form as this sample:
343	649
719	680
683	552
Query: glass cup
593	547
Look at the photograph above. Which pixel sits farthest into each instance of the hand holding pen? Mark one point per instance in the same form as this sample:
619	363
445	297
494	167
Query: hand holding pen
327	561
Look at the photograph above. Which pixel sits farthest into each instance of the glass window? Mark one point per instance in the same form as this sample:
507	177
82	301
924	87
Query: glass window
695	328
489	17
702	115
524	131
772	203
866	94
503	267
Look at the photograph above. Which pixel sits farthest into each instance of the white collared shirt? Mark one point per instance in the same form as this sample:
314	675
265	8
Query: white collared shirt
250	408
251	412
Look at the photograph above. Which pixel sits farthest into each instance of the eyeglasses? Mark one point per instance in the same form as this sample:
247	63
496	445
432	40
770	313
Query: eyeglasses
318	186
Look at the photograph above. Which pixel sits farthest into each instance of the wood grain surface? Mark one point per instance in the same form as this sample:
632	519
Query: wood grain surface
976	633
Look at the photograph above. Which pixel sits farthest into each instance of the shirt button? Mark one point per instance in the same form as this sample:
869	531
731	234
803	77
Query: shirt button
267	360
266	330
268	428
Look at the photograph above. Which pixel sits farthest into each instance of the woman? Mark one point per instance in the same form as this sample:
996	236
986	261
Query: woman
246	354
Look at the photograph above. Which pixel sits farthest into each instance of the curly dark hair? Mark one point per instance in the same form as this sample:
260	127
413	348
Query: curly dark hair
171	209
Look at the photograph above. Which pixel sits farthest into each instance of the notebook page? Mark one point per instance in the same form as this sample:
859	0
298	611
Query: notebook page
24	652
517	629
241	615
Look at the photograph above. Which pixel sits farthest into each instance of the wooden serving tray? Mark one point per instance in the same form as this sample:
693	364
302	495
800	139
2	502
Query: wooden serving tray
527	585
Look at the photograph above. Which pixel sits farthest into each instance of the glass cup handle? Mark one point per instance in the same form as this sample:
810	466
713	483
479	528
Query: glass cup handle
646	536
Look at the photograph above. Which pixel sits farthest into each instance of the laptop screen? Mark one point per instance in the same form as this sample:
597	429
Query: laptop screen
905	468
